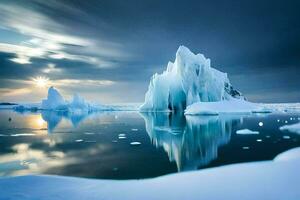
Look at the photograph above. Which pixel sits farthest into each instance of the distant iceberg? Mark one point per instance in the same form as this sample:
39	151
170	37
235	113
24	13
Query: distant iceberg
54	100
78	105
190	79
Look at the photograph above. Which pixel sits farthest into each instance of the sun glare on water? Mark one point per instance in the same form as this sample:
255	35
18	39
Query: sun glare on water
41	81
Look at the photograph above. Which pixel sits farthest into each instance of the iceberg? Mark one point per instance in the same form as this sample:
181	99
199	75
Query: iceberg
78	104
54	100
190	79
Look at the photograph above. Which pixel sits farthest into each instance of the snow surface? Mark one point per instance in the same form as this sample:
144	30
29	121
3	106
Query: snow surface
278	179
246	132
190	79
294	128
225	106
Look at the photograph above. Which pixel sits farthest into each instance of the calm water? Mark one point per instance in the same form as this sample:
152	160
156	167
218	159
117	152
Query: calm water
99	145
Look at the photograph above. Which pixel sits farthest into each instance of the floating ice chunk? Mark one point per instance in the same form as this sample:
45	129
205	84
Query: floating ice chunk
246	132
295	128
22	134
88	133
122	135
135	143
260	124
246	148
259	140
286	137
134	129
80	140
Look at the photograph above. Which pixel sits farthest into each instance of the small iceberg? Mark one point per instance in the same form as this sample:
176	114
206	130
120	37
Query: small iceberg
246	132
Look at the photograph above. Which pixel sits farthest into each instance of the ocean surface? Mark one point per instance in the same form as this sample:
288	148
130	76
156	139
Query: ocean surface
132	145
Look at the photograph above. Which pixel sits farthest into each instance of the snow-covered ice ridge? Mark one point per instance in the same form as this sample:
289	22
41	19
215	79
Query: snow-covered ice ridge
275	179
190	79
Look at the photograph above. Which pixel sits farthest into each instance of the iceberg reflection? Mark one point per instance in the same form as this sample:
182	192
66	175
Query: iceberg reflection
190	141
53	118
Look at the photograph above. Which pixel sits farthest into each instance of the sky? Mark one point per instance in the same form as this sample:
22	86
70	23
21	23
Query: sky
107	50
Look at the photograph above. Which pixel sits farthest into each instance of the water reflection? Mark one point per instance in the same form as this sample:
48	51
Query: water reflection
54	118
191	141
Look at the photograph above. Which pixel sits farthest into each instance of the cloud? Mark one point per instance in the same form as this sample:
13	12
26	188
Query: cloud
7	92
51	39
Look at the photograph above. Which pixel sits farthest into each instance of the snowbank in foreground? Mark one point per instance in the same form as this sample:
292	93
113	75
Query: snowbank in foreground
295	128
226	106
278	179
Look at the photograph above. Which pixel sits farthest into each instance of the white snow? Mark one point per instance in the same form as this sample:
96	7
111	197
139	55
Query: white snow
224	106
246	132
294	128
190	79
278	179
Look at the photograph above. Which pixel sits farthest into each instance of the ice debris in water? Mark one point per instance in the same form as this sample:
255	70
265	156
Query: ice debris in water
80	140
246	148
260	123
286	137
22	134
259	140
89	133
122	135
134	129
135	143
188	80
246	132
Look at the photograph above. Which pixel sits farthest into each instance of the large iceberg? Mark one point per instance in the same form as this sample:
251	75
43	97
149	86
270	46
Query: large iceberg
190	79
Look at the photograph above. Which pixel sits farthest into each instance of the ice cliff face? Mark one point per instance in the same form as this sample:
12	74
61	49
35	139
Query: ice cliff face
188	80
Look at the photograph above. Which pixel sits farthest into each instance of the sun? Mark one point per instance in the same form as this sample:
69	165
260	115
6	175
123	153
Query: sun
41	81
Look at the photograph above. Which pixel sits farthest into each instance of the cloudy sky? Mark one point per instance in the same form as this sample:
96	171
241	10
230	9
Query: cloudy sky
107	50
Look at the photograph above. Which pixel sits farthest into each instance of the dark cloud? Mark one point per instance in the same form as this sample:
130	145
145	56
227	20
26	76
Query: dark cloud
256	42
